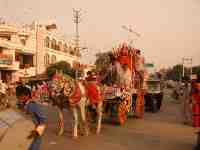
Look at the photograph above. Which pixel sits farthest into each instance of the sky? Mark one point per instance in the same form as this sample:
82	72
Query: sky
170	29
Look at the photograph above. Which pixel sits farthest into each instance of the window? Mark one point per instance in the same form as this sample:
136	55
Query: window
60	47
53	44
5	37
23	41
47	42
46	59
71	50
53	59
65	49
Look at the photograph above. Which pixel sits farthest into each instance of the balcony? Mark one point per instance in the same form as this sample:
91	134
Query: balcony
27	72
70	55
9	65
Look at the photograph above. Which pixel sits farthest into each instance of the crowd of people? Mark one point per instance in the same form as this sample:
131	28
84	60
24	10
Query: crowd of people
39	91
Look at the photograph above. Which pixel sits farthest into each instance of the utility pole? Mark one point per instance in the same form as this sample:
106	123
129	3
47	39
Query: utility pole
187	61
77	20
36	48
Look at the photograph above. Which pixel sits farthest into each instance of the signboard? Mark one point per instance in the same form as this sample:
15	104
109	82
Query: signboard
149	65
5	62
6	59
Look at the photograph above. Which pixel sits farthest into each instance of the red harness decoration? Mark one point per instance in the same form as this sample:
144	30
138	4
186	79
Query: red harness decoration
75	97
93	93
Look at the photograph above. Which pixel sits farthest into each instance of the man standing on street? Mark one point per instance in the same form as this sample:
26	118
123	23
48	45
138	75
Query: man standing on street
185	100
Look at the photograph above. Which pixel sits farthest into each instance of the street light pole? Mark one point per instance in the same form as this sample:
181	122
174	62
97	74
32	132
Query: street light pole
76	19
189	62
36	48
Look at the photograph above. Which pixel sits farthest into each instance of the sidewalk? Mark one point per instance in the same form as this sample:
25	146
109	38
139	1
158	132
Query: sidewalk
14	128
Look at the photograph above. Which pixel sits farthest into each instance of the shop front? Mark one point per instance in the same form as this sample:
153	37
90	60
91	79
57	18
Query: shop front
7	67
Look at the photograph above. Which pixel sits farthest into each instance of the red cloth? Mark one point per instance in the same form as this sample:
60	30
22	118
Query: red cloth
45	88
196	110
91	78
76	96
125	59
93	93
34	94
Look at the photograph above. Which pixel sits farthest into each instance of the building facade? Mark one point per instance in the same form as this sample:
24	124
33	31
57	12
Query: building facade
29	50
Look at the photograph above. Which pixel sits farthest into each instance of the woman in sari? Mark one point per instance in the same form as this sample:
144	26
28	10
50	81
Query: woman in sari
196	110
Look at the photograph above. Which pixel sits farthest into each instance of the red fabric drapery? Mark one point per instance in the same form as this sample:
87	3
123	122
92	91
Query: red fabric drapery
126	58
196	110
75	97
93	93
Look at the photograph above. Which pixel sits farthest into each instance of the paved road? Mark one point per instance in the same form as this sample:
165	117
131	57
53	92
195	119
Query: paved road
159	131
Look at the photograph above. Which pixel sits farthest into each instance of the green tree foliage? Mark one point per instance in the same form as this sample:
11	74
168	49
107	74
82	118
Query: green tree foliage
176	72
102	61
196	70
61	66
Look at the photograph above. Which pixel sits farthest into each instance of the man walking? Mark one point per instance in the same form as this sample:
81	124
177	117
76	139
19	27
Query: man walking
38	117
185	101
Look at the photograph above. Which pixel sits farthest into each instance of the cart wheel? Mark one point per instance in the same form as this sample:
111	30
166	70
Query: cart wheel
122	114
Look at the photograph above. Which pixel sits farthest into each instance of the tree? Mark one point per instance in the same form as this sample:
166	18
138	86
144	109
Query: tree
196	70
102	61
175	73
61	66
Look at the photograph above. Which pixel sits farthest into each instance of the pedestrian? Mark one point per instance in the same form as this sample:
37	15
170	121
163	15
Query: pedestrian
44	92
3	93
20	84
39	92
185	101
38	116
196	109
34	93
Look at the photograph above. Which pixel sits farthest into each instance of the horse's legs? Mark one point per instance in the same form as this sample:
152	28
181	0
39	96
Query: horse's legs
82	106
99	114
75	114
61	122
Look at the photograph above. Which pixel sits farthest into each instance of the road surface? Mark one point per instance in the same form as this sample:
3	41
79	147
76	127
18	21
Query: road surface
158	131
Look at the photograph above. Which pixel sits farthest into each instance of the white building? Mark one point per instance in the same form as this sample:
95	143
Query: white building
28	50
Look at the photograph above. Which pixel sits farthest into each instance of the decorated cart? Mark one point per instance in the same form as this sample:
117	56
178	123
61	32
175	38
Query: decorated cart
123	84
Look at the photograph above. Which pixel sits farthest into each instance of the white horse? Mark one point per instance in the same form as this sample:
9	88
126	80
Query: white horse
78	100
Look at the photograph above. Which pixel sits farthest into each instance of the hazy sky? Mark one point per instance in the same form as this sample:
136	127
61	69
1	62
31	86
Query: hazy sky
170	29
